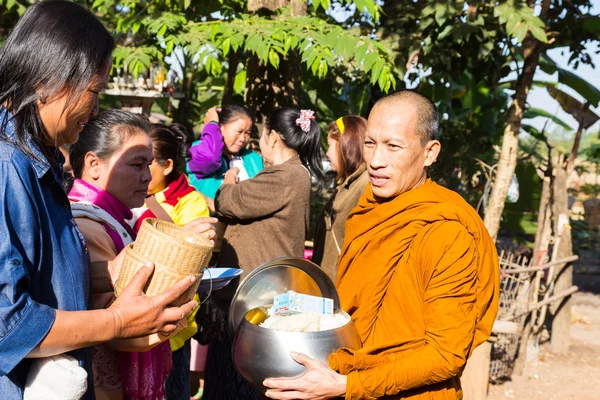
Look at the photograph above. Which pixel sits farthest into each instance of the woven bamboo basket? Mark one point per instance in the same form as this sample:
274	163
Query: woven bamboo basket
176	253
164	243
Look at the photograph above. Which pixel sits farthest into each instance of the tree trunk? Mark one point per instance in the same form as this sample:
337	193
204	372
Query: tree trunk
298	7
576	143
544	220
232	59
268	88
510	140
474	379
561	320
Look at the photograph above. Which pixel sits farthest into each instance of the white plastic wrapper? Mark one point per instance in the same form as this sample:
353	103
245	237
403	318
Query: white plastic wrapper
304	322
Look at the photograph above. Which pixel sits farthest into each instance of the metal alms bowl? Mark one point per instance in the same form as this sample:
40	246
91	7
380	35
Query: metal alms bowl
260	353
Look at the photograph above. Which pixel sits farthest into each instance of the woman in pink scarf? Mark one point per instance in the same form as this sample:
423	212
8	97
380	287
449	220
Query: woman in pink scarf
110	163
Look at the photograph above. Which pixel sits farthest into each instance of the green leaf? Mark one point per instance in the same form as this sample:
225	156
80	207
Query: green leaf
393	80
377	68
169	45
446	32
370	59
538	33
312	56
323	69
187	4
214	31
162	31
361	52
383	78
587	90
514	21
360	5
135	27
521	32
274	59
10	3
315	65
239	84
538	112
226	46
287	44
441	13
591	24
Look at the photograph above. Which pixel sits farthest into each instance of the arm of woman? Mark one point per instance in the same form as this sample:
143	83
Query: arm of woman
139	345
133	314
258	197
29	328
206	155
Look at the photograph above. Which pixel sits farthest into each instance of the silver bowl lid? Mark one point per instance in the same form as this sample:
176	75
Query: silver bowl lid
275	277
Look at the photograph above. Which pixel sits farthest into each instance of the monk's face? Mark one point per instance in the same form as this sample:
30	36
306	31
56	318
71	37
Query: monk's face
396	159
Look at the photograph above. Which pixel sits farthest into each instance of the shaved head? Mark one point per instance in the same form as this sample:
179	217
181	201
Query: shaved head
426	113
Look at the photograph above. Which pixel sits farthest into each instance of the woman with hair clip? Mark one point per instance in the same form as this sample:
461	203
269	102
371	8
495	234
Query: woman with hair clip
266	217
346	140
222	145
53	65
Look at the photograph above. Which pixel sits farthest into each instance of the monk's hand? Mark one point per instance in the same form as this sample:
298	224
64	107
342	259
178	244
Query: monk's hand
204	227
134	314
318	383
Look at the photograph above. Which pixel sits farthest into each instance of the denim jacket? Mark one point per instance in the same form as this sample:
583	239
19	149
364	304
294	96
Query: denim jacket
44	262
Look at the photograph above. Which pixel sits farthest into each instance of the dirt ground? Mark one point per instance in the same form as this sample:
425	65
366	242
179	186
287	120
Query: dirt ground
573	376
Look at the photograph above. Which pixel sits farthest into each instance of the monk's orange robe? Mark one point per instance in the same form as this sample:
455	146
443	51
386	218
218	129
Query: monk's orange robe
419	276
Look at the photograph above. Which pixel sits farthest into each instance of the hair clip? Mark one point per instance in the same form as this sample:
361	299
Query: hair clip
340	124
304	121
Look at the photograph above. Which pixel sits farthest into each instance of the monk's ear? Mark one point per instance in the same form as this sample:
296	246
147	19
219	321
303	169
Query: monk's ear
432	151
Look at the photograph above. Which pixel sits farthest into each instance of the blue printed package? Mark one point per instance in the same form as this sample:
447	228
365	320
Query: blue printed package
292	302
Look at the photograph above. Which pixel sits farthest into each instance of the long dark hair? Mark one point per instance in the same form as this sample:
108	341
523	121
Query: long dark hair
104	135
349	144
306	144
56	47
169	142
232	112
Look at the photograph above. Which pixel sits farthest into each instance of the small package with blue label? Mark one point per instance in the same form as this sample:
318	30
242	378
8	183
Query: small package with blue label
292	302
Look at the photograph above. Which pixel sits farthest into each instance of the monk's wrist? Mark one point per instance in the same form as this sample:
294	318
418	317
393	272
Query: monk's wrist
340	385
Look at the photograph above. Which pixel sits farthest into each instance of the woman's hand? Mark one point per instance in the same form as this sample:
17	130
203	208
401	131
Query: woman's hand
231	176
205	227
114	267
135	314
319	382
211	116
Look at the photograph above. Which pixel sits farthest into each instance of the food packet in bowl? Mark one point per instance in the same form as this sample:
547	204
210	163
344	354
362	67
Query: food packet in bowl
292	302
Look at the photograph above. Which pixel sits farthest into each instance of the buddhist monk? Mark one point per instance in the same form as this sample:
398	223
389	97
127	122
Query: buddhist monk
418	273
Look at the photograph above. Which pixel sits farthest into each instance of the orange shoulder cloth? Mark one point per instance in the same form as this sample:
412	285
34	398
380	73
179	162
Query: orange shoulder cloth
383	231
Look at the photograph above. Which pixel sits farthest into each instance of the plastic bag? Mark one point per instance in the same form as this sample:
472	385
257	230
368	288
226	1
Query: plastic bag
513	190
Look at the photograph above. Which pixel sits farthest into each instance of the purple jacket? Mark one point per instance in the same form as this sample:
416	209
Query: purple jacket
206	153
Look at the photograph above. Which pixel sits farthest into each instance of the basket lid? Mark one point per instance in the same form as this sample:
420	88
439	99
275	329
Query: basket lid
278	276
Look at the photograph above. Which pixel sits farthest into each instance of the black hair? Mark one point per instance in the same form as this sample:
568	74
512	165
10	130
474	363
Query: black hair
231	112
186	133
56	47
104	135
169	142
306	144
428	118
